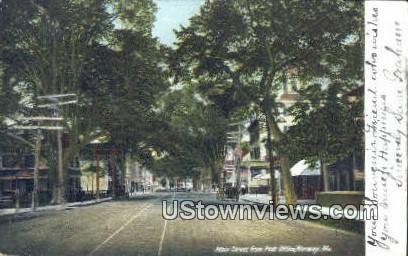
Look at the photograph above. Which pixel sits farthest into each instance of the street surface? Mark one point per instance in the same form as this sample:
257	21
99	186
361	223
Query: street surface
136	227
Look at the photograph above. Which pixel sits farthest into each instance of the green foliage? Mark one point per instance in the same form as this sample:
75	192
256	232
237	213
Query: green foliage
136	15
195	134
230	63
327	126
101	50
239	53
51	47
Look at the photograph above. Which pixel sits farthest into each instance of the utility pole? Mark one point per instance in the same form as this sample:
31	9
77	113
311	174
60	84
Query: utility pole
238	154
112	160
56	101
34	199
97	173
234	138
60	185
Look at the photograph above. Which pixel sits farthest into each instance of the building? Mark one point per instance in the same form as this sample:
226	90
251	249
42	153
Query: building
17	172
138	178
17	175
256	162
346	174
89	177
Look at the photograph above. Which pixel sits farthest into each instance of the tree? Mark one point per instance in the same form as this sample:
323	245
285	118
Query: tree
248	48
326	127
195	135
53	47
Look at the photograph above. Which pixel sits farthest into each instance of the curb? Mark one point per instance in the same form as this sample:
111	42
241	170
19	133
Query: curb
16	211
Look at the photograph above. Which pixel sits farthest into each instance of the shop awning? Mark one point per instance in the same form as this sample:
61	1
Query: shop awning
302	168
266	176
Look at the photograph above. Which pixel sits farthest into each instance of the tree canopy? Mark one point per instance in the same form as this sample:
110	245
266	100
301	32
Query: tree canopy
170	108
195	137
241	52
102	51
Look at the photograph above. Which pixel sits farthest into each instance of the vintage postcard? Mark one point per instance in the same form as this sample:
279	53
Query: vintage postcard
203	127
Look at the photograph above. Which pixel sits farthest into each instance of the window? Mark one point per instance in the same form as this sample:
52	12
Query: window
13	185
285	86
253	130
332	182
10	160
29	161
29	185
254	136
7	186
293	84
255	172
255	153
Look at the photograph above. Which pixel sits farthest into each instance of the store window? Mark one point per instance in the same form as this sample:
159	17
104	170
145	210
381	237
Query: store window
10	160
29	161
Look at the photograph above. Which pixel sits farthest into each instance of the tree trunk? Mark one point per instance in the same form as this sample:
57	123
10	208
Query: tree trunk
238	185
112	156
353	170
325	175
122	166
60	171
196	179
52	175
274	196
221	179
289	188
97	172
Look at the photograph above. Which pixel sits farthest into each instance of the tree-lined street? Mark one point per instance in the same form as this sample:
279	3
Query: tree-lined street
136	227
94	105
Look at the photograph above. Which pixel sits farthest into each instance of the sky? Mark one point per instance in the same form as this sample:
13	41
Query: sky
170	15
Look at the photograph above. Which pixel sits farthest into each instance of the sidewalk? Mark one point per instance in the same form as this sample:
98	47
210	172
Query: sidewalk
256	198
139	193
265	198
12	211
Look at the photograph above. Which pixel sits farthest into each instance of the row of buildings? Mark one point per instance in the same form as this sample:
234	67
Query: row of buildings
17	172
345	175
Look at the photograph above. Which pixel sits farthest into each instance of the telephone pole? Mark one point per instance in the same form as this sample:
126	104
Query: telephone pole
234	138
54	102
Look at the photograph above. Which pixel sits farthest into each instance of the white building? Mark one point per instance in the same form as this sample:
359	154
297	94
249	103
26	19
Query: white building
138	178
256	162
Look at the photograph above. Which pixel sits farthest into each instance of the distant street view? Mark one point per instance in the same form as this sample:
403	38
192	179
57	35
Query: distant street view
109	107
